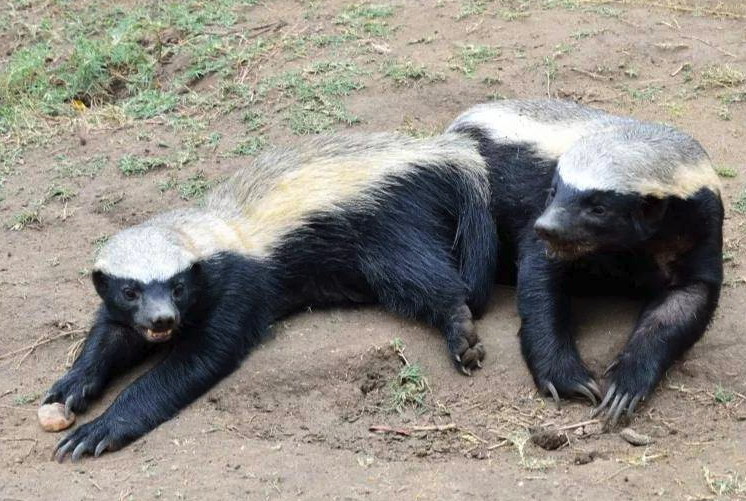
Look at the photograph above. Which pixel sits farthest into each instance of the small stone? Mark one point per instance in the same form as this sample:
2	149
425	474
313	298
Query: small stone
634	438
52	417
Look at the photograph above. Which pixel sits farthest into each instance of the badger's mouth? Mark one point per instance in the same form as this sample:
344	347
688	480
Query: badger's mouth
155	336
158	337
568	250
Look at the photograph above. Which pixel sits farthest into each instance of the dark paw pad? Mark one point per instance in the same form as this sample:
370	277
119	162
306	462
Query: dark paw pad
467	350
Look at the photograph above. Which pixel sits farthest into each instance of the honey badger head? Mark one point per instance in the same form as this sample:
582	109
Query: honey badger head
611	190
147	280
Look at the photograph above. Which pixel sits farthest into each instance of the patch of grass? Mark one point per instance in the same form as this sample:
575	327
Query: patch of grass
316	93
582	34
722	395
150	103
512	15
407	73
133	165
725	171
647	94
409	388
107	202
729	484
98	243
409	128
368	19
26	398
61	193
195	187
469	57
631	72
717	76
739	204
471	8
253	120
250	146
87	167
25	218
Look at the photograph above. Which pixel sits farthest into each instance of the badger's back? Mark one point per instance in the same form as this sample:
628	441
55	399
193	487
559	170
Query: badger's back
280	190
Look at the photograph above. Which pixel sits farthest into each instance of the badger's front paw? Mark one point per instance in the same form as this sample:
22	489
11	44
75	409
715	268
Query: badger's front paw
75	390
466	349
564	375
93	438
631	379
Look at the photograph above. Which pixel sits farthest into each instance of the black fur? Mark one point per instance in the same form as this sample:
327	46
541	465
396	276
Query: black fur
667	252
427	250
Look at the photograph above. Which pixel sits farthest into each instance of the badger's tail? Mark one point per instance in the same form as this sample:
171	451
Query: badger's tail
476	246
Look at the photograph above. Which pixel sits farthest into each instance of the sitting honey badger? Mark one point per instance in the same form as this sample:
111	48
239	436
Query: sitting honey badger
590	202
337	220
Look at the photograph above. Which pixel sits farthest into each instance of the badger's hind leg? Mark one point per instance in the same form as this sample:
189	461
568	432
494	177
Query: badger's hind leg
463	342
417	279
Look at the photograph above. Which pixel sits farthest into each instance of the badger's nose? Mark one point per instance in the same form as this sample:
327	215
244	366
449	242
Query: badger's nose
547	227
163	323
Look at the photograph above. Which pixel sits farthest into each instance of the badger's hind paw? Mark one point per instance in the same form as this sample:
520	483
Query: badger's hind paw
466	349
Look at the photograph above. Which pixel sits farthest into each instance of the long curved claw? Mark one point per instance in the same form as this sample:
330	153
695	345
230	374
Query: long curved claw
60	453
609	395
593	386
78	452
555	396
633	405
101	447
586	392
611	367
48	398
616	412
68	406
465	370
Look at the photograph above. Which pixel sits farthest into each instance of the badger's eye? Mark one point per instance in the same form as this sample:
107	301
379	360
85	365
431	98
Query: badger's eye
130	294
177	291
598	210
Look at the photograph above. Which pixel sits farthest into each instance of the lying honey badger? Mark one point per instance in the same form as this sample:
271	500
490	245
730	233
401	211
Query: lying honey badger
588	201
339	219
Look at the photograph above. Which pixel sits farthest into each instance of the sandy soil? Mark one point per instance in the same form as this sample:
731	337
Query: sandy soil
293	422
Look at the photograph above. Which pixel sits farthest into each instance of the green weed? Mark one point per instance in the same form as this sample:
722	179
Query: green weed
722	77
132	165
407	73
469	57
725	171
722	395
250	146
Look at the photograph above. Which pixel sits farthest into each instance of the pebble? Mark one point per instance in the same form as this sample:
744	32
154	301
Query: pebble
52	417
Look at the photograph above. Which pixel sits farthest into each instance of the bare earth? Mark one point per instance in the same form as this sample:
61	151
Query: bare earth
293	422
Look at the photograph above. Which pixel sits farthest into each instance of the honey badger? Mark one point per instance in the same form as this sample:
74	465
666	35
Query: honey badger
590	202
339	219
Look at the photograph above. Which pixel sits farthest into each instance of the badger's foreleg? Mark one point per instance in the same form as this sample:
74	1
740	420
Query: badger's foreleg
109	349
667	327
201	356
546	340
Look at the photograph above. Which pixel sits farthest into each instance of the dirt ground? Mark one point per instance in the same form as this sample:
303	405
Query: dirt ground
293	422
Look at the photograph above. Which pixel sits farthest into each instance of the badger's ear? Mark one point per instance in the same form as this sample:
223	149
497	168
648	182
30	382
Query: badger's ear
100	282
651	213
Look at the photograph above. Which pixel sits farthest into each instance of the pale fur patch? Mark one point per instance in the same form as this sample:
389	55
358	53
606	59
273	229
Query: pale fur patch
258	206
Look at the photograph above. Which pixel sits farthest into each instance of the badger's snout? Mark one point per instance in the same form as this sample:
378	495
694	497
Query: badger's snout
552	225
157	319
